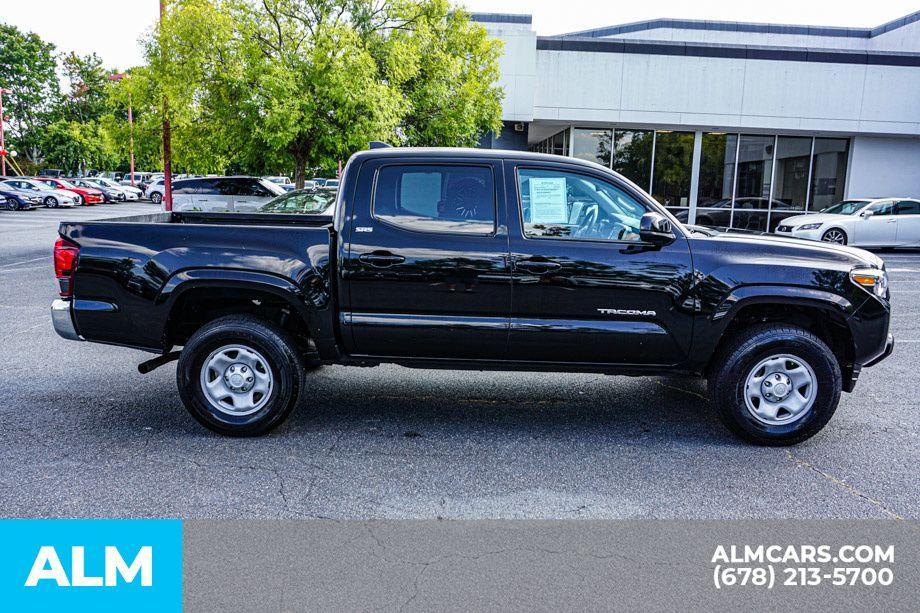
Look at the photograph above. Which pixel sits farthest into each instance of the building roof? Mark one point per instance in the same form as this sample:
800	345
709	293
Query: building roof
739	26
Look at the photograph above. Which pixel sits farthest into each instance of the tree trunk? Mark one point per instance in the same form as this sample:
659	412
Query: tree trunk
300	170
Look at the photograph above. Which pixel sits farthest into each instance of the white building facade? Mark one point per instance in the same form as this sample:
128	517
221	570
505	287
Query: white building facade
725	123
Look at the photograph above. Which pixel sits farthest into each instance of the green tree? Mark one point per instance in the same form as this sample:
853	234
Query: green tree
88	88
306	83
27	67
75	146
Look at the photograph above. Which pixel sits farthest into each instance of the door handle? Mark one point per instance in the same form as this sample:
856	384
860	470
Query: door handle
381	259
538	267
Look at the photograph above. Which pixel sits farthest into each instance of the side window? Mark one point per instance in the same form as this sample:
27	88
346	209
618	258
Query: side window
908	207
224	187
568	205
883	208
186	187
459	199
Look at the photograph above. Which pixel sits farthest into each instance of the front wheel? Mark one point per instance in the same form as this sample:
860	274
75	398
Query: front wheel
775	384
156	197
834	235
240	375
51	202
81	201
13	204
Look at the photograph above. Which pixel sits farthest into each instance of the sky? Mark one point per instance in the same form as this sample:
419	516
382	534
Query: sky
111	28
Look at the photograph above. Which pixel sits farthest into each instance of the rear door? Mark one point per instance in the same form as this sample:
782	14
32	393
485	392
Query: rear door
586	288
249	195
908	215
427	263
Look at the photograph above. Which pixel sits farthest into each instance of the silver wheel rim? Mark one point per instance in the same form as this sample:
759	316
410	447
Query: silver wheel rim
236	380
780	390
834	236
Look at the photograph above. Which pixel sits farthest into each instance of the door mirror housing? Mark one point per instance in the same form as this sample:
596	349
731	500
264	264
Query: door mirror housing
656	228
866	214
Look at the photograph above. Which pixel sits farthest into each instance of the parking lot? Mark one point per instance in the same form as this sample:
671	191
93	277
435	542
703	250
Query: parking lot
83	434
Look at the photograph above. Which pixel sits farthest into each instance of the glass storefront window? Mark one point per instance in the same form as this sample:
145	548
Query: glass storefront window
592	145
828	172
791	177
673	165
755	167
632	155
717	169
559	147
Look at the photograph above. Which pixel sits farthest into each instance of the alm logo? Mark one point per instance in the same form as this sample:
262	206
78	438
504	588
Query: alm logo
47	567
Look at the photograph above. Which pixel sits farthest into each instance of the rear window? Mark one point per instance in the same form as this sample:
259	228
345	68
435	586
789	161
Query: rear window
429	198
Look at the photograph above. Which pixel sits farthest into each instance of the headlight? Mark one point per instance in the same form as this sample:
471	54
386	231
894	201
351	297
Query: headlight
35	199
810	226
872	280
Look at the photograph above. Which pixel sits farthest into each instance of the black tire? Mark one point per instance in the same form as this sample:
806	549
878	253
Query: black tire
81	201
156	197
51	202
825	237
270	341
13	204
742	353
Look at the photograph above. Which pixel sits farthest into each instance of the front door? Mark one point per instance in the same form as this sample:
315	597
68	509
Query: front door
427	269
880	229
586	288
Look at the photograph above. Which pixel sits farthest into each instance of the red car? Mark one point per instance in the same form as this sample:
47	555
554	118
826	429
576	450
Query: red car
87	195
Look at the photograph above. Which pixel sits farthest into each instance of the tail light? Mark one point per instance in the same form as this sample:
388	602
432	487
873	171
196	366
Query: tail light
65	261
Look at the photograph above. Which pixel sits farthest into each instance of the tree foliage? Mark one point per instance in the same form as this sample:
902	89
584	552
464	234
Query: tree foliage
277	83
27	68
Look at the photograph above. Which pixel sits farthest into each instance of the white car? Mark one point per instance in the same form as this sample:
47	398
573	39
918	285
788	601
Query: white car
51	197
224	194
880	222
131	193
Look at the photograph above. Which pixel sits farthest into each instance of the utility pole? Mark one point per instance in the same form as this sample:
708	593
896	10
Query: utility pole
3	151
118	77
167	144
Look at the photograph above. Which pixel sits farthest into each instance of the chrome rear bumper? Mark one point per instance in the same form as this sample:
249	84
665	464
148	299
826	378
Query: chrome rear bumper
63	320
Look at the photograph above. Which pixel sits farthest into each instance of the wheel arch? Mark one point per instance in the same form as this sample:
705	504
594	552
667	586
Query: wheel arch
193	298
822	313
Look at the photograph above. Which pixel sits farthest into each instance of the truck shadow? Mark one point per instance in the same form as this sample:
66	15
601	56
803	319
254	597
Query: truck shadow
456	405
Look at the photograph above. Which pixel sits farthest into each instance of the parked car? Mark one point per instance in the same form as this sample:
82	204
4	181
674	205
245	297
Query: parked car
880	222
154	190
284	183
51	196
333	183
318	201
109	194
749	214
139	179
103	183
228	194
319	181
51	172
85	195
19	200
426	262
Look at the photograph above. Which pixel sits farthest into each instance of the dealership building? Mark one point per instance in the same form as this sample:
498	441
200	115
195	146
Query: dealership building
736	124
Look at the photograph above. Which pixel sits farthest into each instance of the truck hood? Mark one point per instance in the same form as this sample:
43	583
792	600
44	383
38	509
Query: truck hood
766	246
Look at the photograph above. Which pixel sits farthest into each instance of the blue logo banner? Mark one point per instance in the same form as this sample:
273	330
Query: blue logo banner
91	565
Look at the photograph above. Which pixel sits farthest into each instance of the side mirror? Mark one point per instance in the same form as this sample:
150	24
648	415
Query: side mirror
656	228
866	214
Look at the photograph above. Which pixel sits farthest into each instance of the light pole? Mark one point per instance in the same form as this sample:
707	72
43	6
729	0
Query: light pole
118	77
167	146
3	151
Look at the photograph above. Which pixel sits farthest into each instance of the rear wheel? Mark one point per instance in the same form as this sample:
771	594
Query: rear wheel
775	384
835	235
240	375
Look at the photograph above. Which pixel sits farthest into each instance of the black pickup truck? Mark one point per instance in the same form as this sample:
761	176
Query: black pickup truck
477	259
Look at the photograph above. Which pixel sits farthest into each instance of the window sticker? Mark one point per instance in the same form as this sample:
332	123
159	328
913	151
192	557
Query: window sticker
548	200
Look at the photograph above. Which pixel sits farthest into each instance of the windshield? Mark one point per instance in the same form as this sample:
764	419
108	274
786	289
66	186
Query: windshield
301	202
39	186
847	207
66	184
271	187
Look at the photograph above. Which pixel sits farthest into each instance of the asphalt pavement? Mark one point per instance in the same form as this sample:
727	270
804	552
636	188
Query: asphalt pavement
83	434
